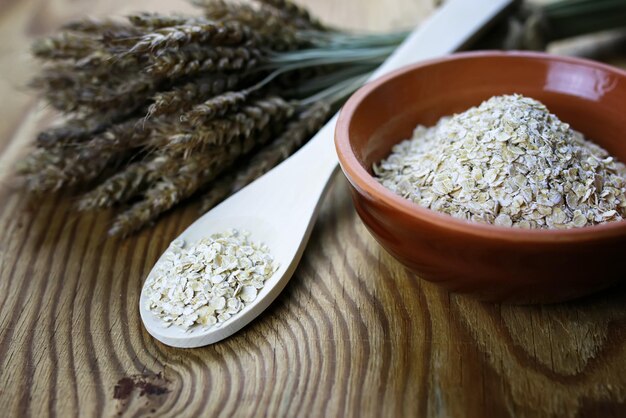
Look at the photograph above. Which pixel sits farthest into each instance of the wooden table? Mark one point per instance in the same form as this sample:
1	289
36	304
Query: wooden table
354	333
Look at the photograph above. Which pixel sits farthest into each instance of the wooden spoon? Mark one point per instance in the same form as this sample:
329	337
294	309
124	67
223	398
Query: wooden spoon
280	208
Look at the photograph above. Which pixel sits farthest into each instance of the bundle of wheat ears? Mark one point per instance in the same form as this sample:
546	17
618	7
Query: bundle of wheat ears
159	108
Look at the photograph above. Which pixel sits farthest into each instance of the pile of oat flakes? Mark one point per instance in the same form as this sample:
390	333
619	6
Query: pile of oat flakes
206	283
508	162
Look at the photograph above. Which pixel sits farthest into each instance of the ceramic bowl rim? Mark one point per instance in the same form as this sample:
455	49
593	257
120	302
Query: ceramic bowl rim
365	183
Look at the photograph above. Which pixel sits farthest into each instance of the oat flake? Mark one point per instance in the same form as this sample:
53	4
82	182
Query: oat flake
508	162
208	282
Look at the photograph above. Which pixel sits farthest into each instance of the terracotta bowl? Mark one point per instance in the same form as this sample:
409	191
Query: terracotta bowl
488	262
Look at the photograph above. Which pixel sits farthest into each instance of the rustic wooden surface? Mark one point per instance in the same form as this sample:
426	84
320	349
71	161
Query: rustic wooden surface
354	334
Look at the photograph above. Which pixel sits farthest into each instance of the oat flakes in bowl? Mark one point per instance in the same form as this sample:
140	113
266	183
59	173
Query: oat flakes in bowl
508	162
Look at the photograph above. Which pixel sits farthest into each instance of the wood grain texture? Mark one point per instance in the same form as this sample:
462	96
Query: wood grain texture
354	334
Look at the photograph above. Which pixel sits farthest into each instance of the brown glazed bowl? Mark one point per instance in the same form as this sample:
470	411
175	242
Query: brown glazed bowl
485	261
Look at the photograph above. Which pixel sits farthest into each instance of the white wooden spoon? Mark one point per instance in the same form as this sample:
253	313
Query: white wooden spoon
280	208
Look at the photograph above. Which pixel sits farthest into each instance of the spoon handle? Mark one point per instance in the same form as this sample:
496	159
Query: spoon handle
302	180
454	25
